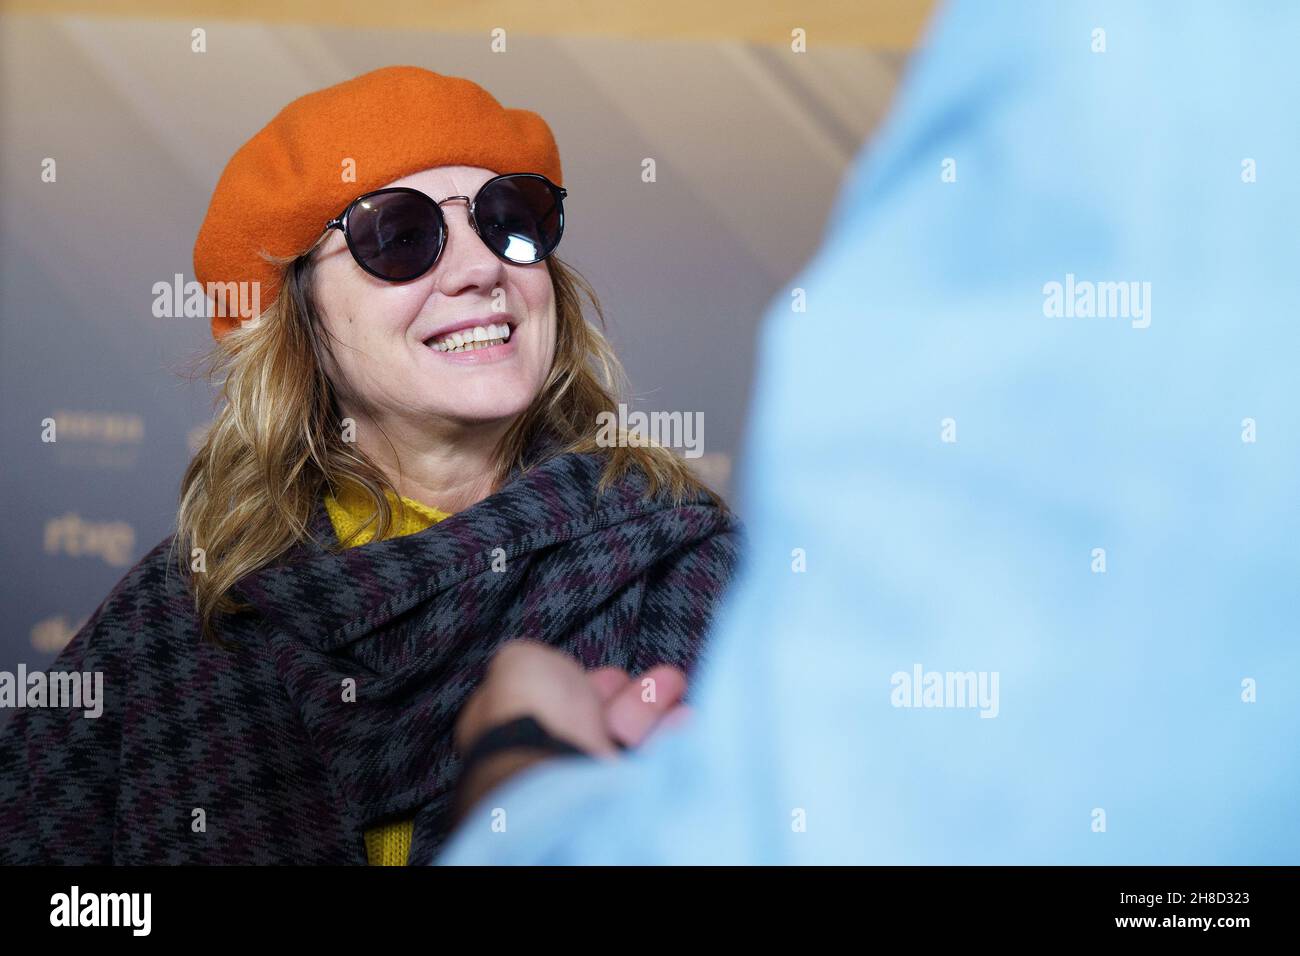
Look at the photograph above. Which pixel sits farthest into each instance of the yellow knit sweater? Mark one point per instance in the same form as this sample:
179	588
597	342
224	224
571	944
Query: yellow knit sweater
389	844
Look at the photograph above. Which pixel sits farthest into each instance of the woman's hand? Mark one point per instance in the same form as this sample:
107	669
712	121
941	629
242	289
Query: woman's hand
596	711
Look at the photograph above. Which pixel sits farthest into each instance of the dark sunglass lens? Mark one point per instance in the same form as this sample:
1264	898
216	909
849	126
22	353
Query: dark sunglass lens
396	235
520	218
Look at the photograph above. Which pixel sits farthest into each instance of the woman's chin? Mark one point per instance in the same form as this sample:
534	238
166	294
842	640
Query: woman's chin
489	410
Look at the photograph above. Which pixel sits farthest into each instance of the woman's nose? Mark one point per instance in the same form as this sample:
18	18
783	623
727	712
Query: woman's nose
466	262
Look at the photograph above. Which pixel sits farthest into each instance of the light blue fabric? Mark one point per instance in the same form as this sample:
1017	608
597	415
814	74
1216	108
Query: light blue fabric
1119	692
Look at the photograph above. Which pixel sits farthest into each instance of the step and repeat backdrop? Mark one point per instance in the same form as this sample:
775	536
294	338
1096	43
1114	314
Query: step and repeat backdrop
701	157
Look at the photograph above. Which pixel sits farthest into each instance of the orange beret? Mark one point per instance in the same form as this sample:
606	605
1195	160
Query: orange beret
282	186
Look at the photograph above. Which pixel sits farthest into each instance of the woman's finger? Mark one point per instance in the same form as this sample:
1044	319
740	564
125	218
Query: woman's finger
608	681
634	710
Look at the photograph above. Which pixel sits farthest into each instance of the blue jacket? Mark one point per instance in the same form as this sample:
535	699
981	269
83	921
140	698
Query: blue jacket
1038	426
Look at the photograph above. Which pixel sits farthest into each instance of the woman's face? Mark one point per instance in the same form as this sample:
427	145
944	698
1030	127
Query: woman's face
384	333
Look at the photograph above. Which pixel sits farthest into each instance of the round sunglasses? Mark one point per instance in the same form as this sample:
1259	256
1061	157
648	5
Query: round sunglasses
397	234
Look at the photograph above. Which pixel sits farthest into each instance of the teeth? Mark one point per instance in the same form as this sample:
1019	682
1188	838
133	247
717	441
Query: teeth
468	340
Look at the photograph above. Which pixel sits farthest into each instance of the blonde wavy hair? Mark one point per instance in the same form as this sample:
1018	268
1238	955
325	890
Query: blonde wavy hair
275	445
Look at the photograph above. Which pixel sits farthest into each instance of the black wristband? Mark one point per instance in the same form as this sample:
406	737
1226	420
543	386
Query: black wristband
523	732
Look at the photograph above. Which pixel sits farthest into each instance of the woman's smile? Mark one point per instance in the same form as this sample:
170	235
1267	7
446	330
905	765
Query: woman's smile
475	341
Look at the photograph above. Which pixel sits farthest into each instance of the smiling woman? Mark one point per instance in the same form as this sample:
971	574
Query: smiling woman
405	473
